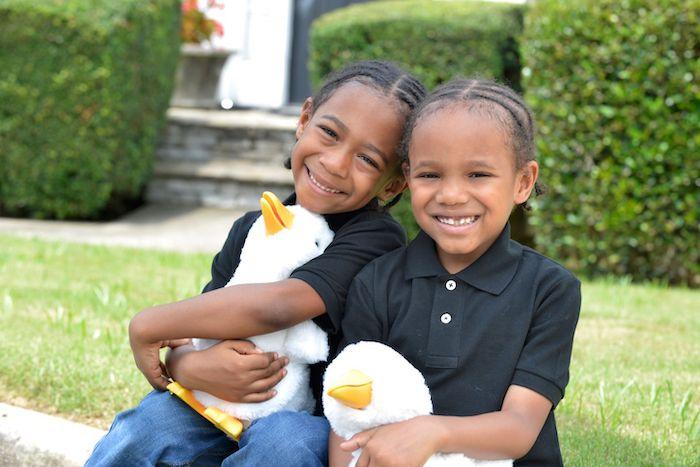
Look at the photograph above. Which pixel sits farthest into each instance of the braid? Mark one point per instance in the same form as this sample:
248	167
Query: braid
381	75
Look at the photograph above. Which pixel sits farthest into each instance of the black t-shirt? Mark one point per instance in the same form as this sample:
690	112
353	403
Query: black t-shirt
360	237
509	318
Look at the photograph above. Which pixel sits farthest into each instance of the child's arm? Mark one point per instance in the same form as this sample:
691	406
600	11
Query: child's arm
233	370
258	309
506	434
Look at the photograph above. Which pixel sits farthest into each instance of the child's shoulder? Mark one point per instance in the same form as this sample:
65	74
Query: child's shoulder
385	266
546	268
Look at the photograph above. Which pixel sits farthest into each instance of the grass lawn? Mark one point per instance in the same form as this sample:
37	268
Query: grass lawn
64	310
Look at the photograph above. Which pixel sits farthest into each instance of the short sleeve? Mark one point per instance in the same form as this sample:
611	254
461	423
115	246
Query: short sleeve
543	365
361	321
354	246
226	261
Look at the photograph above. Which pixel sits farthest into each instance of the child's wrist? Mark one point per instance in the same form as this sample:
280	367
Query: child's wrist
436	433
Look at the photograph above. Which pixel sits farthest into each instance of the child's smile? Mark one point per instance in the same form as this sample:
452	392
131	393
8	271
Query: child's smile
463	183
325	188
345	150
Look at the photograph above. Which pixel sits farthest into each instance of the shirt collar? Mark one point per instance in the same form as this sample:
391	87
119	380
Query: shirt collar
491	272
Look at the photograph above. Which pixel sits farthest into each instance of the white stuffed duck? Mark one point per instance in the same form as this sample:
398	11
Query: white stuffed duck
370	384
282	239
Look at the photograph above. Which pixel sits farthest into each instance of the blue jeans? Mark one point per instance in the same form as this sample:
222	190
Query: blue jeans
165	431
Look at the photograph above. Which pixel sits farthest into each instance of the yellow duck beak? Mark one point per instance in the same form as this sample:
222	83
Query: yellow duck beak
353	390
275	214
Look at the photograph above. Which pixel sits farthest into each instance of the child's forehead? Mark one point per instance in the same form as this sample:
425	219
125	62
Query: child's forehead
454	131
462	119
364	92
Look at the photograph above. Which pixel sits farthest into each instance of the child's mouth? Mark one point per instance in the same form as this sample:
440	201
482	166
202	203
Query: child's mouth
320	185
457	221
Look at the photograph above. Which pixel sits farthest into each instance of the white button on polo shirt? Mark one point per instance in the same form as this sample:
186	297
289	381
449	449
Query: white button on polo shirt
450	285
446	318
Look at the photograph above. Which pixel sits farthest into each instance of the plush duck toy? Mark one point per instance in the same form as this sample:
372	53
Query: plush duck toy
282	239
369	384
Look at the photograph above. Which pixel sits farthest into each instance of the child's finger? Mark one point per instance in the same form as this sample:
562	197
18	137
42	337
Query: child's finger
263	385
260	361
358	441
259	396
172	343
242	346
272	369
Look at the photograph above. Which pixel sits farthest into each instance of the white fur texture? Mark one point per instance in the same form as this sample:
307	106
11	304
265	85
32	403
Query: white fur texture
399	393
270	259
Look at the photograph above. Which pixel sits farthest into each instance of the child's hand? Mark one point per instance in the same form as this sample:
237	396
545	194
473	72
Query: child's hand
406	443
233	370
147	358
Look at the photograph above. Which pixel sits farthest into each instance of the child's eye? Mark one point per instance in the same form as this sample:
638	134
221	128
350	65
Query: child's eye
479	174
427	175
368	160
328	131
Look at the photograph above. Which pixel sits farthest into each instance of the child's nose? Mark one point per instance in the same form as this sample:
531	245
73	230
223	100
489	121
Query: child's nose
451	194
337	162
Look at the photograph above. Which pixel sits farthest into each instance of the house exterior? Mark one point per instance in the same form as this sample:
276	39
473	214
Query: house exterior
269	44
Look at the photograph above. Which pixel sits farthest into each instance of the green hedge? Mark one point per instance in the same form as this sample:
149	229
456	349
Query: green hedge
615	86
84	86
435	40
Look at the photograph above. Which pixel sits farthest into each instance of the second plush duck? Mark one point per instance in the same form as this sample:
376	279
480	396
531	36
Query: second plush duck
370	384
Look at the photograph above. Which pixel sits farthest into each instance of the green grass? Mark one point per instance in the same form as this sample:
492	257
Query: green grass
64	309
64	312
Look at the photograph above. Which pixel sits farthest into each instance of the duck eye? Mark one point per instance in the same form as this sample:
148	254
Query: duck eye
317	243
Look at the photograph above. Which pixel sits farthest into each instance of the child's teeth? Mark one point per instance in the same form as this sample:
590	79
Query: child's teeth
457	220
324	188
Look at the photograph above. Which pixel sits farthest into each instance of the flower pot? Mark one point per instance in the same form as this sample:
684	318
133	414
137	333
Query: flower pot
198	76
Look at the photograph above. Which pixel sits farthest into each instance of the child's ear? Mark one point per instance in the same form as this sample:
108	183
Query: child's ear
525	181
304	117
395	185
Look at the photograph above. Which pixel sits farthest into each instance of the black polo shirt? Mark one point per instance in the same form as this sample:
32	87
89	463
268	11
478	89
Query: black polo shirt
508	318
360	237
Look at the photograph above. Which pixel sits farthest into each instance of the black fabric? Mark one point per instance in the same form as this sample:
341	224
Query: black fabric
360	237
509	319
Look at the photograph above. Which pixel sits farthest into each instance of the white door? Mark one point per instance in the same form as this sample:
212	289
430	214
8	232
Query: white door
260	33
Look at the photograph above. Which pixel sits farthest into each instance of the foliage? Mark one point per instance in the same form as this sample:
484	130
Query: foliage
84	86
436	40
616	91
196	25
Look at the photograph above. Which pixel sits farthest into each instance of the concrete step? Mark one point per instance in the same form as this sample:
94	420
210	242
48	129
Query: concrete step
221	183
222	159
196	134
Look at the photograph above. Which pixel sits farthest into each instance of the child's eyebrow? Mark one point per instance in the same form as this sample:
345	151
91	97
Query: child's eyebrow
369	146
337	121
424	163
481	164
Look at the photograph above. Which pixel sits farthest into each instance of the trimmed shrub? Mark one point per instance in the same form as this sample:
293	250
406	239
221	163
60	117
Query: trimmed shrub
84	86
435	40
615	86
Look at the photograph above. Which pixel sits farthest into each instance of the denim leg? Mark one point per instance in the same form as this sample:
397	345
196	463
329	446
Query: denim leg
283	439
161	430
